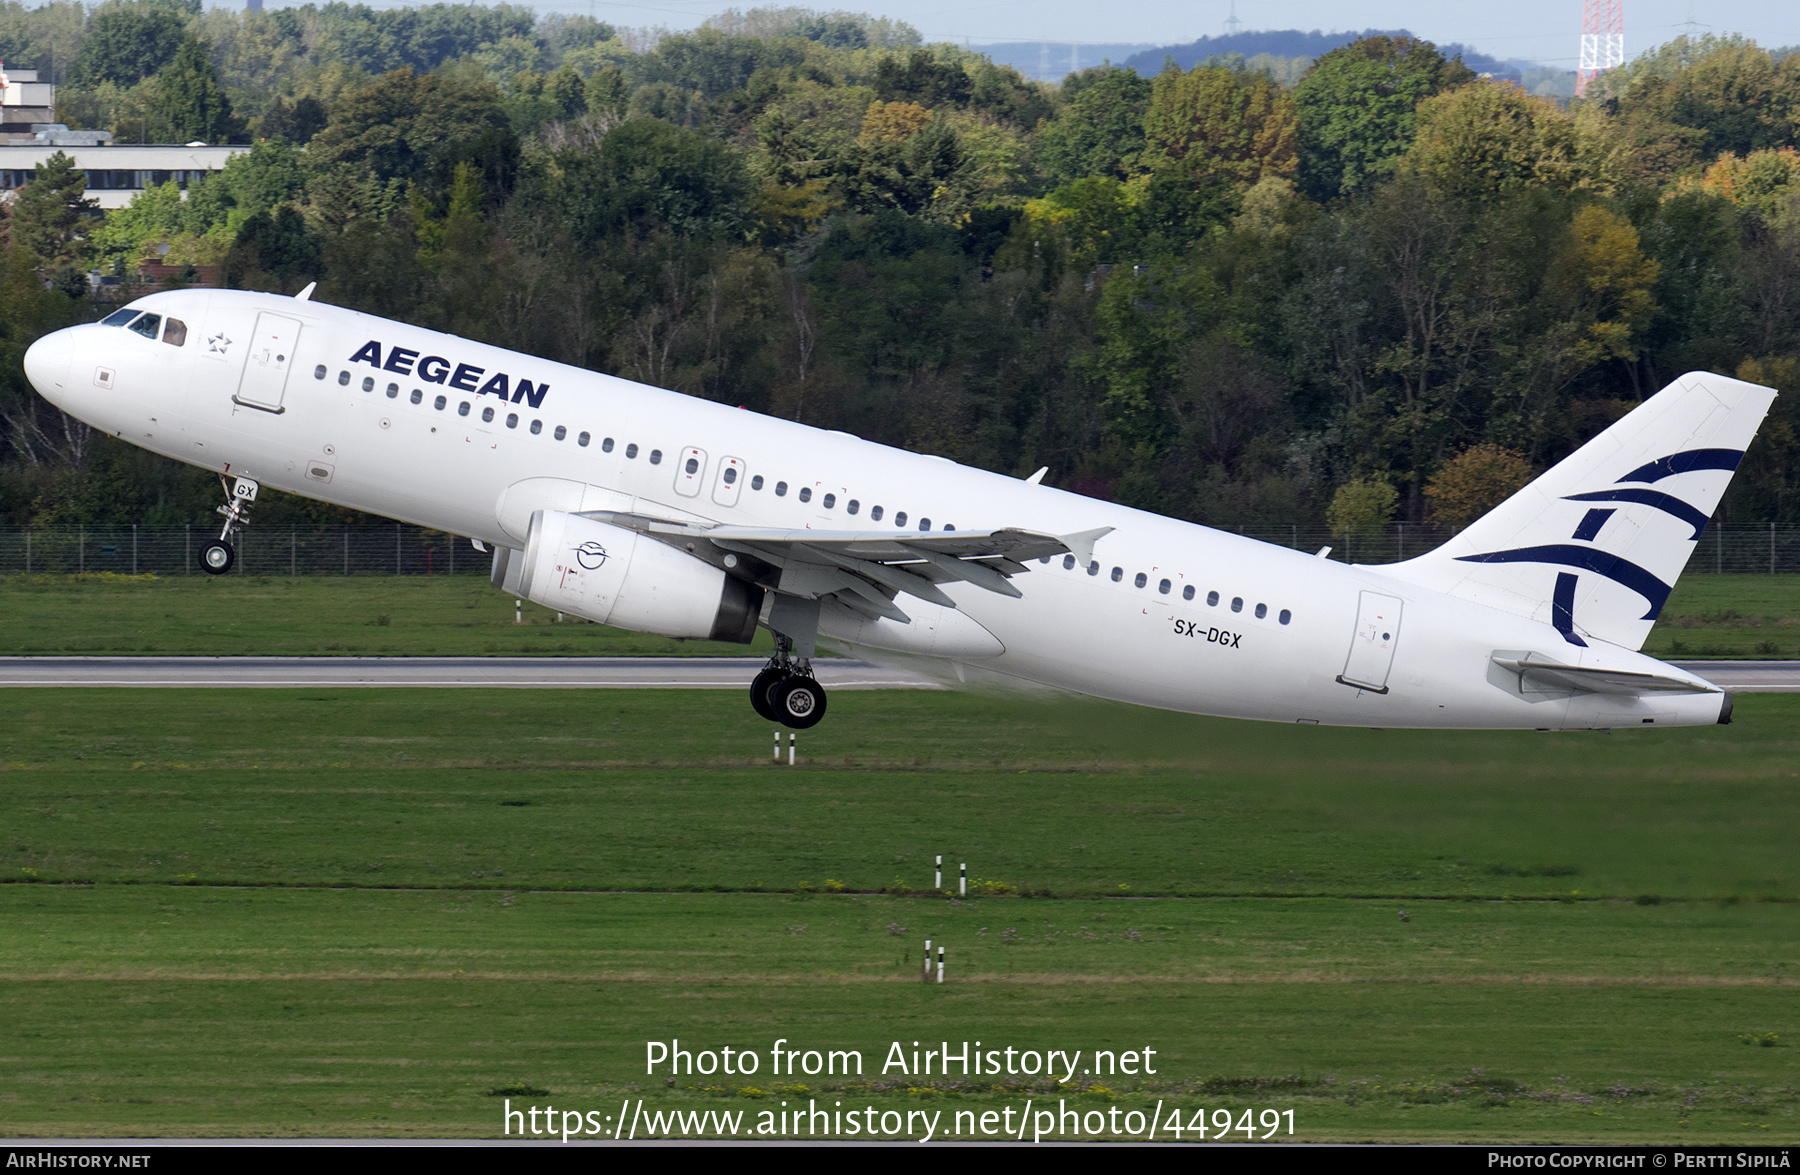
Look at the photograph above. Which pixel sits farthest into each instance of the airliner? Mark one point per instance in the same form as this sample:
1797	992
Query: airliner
651	510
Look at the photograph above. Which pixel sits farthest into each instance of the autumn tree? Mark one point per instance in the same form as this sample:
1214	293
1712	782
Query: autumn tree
1475	481
1489	139
1220	125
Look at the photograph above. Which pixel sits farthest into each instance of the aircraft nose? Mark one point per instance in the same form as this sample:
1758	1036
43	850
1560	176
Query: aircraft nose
47	362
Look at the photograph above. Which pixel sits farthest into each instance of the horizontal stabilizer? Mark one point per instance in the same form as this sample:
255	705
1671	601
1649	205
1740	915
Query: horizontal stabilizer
1541	671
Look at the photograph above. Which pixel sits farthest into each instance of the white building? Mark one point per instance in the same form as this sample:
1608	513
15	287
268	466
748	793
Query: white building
29	135
115	174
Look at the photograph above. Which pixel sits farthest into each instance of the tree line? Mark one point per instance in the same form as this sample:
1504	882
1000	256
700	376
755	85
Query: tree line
1382	289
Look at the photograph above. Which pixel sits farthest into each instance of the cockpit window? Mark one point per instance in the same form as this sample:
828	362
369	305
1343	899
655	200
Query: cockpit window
147	325
118	318
175	334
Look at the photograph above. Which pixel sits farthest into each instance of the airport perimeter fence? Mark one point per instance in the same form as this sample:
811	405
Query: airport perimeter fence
399	549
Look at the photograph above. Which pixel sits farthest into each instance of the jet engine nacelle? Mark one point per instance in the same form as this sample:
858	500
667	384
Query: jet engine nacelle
615	576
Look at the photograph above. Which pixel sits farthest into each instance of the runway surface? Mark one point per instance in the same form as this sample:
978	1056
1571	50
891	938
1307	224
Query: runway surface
435	672
577	673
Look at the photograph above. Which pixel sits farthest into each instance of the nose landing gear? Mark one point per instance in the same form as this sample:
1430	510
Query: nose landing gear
219	556
786	691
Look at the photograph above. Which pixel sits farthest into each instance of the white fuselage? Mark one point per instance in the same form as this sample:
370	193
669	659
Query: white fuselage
343	438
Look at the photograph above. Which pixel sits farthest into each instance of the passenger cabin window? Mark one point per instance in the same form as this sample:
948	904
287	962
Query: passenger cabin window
781	489
416	396
393	390
1094	567
1237	603
1187	593
319	371
487	415
806	493
537	427
830	500
631	451
560	432
1141	579
730	474
583	440
343	379
853	505
693	465
756	482
147	325
656	456
1262	610
175	334
368	383
462	409
1212	599
1164	587
512	420
900	520
1118	573
875	514
1285	616
118	318
1068	562
439	403
924	524
606	445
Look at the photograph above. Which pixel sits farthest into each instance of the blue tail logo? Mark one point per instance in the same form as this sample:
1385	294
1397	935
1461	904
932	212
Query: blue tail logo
1599	562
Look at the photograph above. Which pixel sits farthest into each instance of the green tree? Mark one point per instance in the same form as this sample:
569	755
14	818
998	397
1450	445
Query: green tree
1357	106
128	41
278	252
411	127
647	176
50	214
190	103
296	124
1100	130
1363	506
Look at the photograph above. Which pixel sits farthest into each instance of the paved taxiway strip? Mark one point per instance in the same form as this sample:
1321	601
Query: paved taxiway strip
435	672
576	673
1748	677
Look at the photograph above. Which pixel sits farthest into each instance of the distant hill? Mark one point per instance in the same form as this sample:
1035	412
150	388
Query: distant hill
1052	61
1295	43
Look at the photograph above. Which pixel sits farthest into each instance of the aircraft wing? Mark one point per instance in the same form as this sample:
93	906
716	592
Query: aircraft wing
1594	681
864	569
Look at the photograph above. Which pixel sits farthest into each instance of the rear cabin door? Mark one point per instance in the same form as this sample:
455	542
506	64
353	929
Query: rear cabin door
1372	648
266	366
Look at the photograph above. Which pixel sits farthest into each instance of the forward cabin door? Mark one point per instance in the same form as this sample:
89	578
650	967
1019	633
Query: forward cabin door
1372	648
266	365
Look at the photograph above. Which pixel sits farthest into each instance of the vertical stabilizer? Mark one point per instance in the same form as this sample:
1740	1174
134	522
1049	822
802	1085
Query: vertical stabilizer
1594	546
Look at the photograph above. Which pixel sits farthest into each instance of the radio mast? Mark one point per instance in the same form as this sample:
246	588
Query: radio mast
1602	40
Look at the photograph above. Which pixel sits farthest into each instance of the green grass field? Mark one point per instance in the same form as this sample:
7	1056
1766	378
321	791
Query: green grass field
275	616
374	912
1707	616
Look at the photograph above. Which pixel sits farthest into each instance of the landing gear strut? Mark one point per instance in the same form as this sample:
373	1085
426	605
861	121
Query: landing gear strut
219	555
786	691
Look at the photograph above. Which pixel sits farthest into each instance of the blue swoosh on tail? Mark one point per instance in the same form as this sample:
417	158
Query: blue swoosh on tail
1620	571
1667	503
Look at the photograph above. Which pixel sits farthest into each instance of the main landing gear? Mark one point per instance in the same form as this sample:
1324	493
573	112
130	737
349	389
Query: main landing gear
218	555
786	691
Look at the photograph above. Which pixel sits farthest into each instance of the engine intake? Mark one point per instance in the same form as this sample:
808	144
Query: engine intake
615	576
